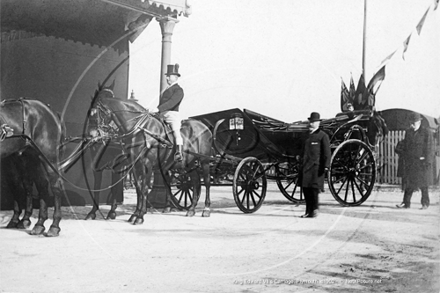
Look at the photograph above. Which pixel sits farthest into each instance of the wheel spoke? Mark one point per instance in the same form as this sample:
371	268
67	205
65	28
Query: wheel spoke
253	198
352	190
359	187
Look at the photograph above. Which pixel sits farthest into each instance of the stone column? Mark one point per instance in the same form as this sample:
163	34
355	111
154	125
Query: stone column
157	195
167	26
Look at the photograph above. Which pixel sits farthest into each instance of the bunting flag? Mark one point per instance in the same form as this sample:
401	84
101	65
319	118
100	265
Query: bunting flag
405	46
360	95
387	59
421	22
345	99
376	81
352	88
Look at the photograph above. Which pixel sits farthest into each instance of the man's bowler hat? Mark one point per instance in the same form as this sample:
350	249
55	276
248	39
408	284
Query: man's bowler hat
173	70
314	116
414	117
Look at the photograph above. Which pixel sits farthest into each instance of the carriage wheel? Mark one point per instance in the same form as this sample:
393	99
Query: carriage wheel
183	187
249	185
352	173
287	181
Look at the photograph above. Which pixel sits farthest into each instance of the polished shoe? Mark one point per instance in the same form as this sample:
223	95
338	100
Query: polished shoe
313	214
424	207
402	206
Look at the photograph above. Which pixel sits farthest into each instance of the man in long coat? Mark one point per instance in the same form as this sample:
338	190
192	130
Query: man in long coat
417	151
316	161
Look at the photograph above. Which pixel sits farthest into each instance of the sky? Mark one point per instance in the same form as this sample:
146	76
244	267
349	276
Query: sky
286	58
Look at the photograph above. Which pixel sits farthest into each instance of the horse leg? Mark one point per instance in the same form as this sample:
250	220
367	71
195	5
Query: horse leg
168	203
19	190
207	180
137	184
43	192
13	223
57	189
145	182
96	186
115	190
25	222
196	181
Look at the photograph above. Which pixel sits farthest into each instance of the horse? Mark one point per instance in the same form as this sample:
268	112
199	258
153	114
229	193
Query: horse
37	135
148	145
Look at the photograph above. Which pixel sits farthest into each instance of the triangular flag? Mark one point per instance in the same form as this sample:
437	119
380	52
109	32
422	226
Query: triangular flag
385	61
405	46
421	22
352	88
358	101
376	81
371	100
344	96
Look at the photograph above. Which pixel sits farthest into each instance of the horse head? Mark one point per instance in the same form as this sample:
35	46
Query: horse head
109	111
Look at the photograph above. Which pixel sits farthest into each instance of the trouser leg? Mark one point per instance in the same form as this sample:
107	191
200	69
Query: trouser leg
425	196
308	196
315	204
173	118
407	196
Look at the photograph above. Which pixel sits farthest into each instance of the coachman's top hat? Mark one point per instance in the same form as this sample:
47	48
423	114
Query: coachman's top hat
314	116
414	117
173	70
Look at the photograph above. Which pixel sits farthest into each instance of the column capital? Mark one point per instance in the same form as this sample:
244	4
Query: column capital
167	24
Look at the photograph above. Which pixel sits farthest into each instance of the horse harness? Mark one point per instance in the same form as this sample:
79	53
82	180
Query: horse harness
6	131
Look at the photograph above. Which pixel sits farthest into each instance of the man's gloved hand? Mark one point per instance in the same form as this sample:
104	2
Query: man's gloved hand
322	171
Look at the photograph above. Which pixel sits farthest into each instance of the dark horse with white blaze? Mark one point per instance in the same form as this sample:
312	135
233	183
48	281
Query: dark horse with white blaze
148	145
34	145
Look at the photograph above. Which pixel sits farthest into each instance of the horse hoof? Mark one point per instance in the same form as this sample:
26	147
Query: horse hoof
132	218
12	224
206	213
190	213
111	216
38	230
24	224
53	232
90	216
166	210
138	221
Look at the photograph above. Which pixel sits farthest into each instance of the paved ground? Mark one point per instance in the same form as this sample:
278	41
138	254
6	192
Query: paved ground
371	248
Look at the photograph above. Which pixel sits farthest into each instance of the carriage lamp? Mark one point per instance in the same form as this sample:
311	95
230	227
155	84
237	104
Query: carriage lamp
236	122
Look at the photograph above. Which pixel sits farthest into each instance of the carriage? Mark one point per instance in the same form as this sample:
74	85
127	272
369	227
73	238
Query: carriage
250	148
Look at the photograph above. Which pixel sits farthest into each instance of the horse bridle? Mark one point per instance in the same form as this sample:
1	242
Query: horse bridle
135	129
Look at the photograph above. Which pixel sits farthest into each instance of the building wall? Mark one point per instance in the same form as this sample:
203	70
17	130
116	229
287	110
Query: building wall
64	74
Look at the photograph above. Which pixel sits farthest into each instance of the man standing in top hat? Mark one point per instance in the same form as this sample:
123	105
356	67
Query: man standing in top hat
316	161
417	152
168	108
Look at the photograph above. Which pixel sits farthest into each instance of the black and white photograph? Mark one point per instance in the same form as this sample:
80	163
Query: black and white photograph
219	146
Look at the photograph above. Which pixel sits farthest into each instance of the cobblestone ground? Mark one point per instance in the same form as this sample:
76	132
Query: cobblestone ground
371	248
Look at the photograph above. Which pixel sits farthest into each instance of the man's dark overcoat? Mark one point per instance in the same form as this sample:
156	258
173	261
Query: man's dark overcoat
316	158
418	144
170	99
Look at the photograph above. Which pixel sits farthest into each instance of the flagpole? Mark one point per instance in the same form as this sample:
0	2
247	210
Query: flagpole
364	39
